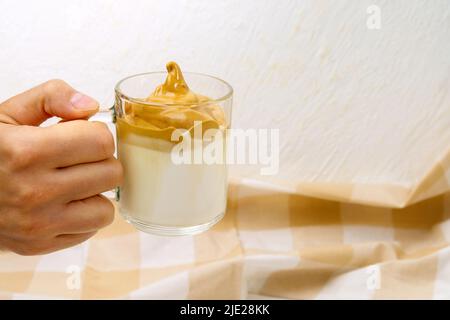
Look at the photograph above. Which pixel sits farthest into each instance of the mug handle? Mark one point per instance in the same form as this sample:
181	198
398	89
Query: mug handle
107	116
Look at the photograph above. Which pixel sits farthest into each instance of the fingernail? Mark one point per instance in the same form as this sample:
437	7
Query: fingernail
81	102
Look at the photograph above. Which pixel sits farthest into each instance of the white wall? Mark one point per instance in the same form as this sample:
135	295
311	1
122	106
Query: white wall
352	103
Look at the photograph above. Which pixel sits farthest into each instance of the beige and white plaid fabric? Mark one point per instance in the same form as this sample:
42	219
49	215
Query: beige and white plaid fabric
271	244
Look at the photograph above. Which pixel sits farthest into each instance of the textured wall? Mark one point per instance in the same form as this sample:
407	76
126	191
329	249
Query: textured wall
352	103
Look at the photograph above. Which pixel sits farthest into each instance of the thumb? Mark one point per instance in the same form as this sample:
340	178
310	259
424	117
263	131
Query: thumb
52	98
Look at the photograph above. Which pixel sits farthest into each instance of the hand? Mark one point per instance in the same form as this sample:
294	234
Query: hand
51	178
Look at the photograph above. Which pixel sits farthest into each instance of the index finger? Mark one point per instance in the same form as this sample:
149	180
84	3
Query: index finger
76	142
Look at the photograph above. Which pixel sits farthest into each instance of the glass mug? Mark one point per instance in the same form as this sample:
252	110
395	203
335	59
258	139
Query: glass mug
160	195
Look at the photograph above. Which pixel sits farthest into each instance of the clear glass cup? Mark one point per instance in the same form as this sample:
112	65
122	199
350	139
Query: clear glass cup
159	195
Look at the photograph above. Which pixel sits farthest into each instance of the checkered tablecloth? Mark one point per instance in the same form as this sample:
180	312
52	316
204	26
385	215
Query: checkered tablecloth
271	244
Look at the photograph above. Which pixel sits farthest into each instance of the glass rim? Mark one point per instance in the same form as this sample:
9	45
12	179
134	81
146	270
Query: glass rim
119	91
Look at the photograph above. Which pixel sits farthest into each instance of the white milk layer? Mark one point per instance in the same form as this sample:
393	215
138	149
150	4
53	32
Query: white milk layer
157	191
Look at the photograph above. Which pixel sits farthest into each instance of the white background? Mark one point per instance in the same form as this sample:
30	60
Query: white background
352	104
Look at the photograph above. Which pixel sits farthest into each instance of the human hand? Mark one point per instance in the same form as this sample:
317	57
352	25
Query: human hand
51	178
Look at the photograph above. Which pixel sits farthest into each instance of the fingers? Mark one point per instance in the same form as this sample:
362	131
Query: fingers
60	145
60	227
52	98
86	215
86	180
47	245
75	142
59	243
68	240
